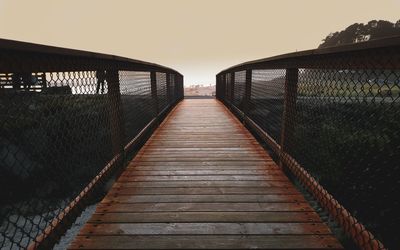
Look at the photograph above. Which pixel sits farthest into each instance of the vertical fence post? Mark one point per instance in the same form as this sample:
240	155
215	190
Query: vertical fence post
153	83
217	86
173	91
179	87
227	88
289	109
232	94
221	82
247	94
176	88
115	112
182	89
44	81
168	85
222	88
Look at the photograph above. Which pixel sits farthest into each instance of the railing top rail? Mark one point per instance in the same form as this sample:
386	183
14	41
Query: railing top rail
390	42
18	46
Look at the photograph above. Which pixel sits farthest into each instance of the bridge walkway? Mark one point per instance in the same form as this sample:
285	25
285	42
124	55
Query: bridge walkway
202	181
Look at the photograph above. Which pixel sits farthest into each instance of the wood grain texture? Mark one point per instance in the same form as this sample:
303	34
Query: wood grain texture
203	182
206	242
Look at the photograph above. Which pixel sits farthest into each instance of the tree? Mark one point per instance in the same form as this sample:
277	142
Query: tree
359	32
397	24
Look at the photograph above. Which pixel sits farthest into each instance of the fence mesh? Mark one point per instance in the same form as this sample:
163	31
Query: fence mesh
228	87
60	124
162	90
339	113
266	100
239	87
346	131
137	103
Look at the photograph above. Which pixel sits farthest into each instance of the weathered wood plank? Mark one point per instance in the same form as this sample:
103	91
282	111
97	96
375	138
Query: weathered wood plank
242	163
124	190
207	242
205	217
203	207
214	153
185	184
163	167
250	198
204	178
196	159
204	228
203	150
201	157
197	144
133	172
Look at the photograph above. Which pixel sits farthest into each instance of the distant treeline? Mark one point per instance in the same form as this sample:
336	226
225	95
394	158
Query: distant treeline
359	32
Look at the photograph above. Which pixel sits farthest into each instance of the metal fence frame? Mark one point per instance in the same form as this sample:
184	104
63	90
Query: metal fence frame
30	59
357	57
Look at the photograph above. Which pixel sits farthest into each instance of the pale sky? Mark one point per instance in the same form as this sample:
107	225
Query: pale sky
198	38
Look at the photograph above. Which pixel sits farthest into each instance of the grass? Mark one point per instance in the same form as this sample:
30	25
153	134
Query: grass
345	89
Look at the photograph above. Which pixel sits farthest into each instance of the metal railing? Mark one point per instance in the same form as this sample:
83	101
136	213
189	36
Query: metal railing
332	118
68	121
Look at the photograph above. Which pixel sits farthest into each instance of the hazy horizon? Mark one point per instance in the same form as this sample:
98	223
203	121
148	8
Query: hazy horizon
197	38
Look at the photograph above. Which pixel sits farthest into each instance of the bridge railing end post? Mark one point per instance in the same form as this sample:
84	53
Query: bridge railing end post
289	110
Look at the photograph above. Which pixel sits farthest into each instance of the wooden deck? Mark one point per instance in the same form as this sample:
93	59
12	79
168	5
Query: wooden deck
203	182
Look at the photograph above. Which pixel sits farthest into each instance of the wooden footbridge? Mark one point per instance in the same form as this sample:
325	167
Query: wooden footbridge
203	181
200	173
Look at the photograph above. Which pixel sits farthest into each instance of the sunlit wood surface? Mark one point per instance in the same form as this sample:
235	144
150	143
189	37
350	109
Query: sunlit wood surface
203	182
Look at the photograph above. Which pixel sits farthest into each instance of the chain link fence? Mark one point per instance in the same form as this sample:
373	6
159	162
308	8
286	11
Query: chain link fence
69	120
332	118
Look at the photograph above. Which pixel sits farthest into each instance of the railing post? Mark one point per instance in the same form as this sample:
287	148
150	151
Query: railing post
227	87
232	94
181	82
176	87
115	112
223	88
173	90
153	83
168	85
44	81
247	93
217	86
225	83
289	109
179	87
